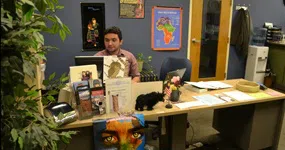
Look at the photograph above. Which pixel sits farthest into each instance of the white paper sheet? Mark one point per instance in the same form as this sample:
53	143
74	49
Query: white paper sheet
209	99
210	85
238	95
118	95
218	84
189	104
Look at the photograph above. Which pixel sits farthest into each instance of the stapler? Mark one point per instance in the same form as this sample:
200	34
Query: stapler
262	86
62	113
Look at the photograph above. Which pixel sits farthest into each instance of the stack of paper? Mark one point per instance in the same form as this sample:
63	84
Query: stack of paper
238	95
209	85
209	99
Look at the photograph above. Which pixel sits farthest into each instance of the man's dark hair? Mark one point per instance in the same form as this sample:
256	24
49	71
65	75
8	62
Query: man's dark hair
114	30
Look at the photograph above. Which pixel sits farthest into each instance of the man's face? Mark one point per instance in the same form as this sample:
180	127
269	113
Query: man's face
112	42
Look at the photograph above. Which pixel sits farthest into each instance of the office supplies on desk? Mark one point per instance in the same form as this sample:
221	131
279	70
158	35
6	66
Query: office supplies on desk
211	85
247	86
238	95
259	95
189	104
54	110
118	95
209	99
224	97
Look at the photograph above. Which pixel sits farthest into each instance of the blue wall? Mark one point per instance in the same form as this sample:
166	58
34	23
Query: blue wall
260	11
136	33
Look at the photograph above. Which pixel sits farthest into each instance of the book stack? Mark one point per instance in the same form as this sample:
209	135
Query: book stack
148	76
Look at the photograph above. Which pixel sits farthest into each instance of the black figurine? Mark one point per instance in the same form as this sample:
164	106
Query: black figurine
148	100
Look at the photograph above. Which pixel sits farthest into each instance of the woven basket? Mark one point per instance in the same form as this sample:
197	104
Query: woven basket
247	86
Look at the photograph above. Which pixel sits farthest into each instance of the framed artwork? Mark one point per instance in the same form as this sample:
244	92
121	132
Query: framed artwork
93	26
132	9
166	28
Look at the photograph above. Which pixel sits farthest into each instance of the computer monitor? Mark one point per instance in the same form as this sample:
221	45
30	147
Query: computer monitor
91	60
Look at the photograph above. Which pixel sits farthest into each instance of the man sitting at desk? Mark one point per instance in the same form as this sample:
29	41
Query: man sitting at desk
113	41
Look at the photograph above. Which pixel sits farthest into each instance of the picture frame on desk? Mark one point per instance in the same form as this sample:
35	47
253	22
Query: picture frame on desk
93	26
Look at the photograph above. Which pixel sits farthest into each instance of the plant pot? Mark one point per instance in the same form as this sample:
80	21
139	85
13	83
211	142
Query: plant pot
175	95
140	66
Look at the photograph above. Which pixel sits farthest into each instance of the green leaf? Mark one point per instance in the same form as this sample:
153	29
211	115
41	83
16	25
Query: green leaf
19	90
52	92
5	62
28	2
51	76
14	134
66	29
50	5
51	18
39	37
31	103
58	20
50	98
38	23
59	7
20	141
55	28
62	35
41	5
64	79
55	1
29	68
32	93
28	11
45	82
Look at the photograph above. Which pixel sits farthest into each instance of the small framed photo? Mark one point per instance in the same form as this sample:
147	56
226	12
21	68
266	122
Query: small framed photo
132	9
93	26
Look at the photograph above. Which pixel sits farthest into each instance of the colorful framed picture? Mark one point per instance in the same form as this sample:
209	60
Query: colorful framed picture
133	9
120	133
93	26
166	28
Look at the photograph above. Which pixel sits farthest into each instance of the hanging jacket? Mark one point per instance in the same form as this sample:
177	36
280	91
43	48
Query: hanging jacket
241	31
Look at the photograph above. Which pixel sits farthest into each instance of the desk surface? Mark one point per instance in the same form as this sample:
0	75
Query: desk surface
160	110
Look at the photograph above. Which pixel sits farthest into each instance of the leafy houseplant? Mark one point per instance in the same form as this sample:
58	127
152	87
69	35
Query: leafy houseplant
22	46
142	60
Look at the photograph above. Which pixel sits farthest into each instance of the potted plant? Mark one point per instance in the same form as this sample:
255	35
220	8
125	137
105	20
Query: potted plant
22	46
142	60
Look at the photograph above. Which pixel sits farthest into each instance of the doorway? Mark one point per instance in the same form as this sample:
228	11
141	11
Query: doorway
209	39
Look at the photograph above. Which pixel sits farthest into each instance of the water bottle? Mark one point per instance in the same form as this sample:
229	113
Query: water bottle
259	36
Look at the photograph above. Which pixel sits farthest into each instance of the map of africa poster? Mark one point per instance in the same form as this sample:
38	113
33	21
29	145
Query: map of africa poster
166	28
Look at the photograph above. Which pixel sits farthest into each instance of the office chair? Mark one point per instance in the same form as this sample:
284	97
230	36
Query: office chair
172	64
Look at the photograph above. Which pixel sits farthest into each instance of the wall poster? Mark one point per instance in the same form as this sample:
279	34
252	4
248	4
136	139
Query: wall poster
132	9
93	26
166	28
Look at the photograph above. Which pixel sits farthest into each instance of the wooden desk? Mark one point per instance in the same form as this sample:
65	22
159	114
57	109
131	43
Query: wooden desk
176	119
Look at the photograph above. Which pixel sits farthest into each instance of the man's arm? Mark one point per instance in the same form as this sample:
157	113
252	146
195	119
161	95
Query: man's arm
134	71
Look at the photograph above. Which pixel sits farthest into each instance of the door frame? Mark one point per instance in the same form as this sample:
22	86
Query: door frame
195	28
